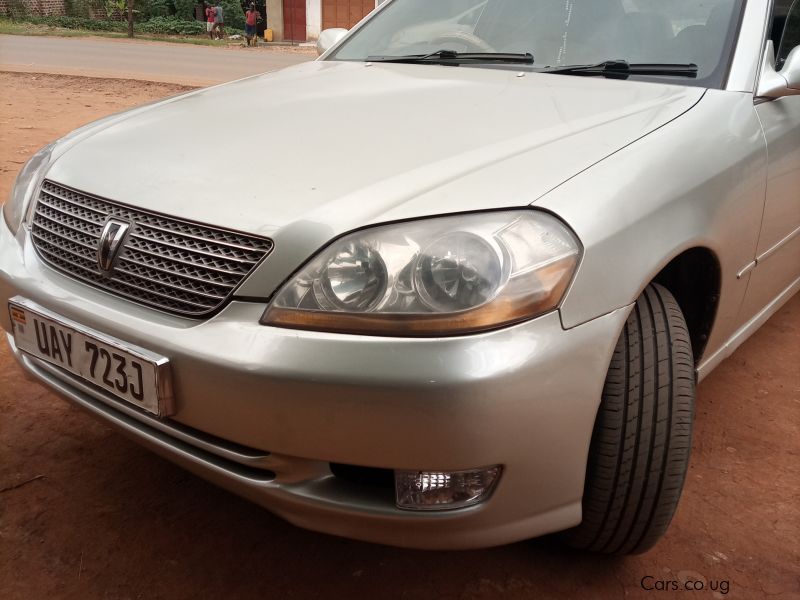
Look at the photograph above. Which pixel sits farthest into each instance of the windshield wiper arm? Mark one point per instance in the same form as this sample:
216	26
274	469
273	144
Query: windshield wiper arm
451	57
622	68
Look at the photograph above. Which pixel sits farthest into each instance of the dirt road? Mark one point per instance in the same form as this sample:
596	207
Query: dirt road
86	514
149	61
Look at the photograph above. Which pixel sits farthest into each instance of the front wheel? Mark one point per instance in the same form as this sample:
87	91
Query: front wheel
642	438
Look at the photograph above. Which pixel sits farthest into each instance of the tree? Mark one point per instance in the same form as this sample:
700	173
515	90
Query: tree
130	17
120	7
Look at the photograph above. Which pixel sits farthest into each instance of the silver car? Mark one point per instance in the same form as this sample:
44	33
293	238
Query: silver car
469	296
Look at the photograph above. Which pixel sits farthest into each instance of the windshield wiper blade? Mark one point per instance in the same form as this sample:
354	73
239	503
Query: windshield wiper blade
622	68
451	57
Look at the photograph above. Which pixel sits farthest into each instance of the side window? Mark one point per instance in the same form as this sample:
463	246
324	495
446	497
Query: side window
790	37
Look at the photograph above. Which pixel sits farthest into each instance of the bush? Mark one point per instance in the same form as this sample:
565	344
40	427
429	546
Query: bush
184	9
234	15
171	26
154	8
18	9
164	25
78	23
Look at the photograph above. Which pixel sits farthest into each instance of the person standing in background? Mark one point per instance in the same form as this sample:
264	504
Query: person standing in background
251	18
219	21
210	19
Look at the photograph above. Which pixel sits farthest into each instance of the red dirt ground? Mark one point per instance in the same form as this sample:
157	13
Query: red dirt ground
85	513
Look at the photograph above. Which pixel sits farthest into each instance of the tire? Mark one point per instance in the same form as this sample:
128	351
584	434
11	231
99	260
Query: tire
639	454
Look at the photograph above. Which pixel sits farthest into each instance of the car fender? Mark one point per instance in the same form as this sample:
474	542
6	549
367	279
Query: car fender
698	181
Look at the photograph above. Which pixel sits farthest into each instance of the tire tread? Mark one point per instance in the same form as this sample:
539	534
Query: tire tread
641	443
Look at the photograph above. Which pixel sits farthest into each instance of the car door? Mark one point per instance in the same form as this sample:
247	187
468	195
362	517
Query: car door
778	255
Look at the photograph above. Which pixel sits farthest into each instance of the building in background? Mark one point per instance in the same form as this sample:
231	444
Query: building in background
302	20
41	8
290	20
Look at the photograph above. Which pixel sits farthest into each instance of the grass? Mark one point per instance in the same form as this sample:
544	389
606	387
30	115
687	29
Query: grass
9	27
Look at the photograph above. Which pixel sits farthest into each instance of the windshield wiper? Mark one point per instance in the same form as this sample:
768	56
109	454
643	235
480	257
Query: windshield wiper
622	69
451	57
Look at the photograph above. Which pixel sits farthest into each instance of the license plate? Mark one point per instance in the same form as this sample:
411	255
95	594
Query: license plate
128	372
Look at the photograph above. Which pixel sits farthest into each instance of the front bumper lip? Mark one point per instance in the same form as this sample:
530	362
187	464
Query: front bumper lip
263	411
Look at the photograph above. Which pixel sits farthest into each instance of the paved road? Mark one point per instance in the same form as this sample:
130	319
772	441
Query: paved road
131	59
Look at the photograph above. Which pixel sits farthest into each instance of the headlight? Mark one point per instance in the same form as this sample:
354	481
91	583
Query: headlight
442	276
28	178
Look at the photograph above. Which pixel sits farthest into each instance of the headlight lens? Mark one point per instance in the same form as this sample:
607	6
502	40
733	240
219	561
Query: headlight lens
457	272
353	279
442	276
28	178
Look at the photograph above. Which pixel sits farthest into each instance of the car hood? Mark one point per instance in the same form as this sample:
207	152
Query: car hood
331	146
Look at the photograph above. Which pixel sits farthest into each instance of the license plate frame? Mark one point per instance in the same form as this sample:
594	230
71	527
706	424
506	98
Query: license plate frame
152	371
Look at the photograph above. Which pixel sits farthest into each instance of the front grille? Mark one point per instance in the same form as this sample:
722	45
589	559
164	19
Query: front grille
169	264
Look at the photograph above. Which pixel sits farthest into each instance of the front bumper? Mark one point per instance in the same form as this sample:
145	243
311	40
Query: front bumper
264	411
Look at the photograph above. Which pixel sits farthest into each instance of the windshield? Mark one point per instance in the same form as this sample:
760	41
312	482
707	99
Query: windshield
559	32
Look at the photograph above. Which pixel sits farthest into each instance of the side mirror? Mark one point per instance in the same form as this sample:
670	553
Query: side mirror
329	38
776	84
791	69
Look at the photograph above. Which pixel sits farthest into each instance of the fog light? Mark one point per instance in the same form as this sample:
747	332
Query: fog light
443	490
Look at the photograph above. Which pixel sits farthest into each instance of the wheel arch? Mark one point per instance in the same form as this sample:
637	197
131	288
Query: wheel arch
694	277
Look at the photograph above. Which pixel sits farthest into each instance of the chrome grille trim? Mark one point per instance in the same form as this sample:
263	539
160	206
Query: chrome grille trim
145	238
169	264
